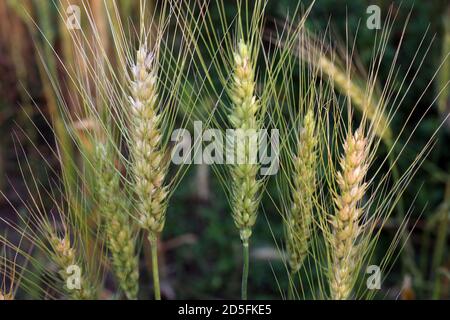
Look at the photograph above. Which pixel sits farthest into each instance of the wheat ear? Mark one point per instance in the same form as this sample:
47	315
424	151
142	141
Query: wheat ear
118	229
298	226
148	166
367	105
64	255
245	184
346	223
245	188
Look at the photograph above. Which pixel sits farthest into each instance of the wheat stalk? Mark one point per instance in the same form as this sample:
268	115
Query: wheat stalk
346	223
118	228
298	224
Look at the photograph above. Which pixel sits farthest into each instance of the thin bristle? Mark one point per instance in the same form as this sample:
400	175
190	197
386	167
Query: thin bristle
357	95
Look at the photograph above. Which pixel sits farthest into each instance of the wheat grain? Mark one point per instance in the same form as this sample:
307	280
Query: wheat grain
6	296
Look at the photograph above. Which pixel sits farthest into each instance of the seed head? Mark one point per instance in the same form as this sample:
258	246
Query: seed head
148	166
346	222
298	224
244	198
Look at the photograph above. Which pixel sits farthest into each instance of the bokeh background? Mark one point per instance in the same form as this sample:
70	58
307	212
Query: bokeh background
201	251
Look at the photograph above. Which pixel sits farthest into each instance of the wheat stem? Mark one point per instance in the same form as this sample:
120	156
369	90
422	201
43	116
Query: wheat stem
245	267
155	270
291	287
441	242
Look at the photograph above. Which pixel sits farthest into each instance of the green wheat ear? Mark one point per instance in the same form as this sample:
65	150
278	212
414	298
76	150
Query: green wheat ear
231	57
245	189
119	232
298	223
65	256
245	186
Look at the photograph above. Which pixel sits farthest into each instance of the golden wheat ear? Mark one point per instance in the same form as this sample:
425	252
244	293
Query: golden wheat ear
64	255
347	223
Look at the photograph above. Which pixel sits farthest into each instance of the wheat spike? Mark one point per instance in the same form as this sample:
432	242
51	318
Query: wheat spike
346	222
367	105
119	232
298	226
148	166
64	255
244	116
